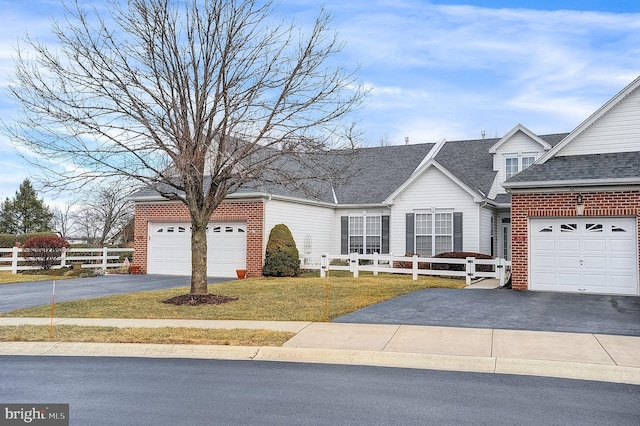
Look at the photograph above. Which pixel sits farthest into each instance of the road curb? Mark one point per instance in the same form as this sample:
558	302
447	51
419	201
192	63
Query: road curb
569	370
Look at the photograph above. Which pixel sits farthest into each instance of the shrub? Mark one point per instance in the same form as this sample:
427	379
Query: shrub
44	251
461	267
447	266
7	240
408	264
282	258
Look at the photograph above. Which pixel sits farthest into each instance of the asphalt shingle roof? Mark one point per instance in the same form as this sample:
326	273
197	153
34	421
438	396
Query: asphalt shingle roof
380	171
376	172
619	165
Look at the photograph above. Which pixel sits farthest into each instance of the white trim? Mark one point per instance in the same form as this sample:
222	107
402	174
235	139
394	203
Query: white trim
432	153
574	182
516	129
591	120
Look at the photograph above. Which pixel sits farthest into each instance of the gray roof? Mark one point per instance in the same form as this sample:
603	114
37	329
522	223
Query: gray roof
376	172
576	168
470	162
380	171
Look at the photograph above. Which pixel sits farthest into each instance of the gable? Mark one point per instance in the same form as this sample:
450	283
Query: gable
433	181
612	128
515	136
617	130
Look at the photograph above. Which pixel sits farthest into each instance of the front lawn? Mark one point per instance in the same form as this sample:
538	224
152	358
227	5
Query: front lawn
6	277
163	335
260	299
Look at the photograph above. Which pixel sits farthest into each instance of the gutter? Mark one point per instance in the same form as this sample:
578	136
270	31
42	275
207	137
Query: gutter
572	183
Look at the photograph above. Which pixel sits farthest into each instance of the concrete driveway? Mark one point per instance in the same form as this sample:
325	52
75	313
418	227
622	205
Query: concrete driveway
507	309
25	295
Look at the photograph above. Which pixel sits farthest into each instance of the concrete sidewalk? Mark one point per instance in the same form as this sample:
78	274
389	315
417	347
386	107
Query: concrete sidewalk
568	355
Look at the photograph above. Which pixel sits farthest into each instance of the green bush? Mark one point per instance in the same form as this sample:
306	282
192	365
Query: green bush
7	240
44	251
282	258
461	267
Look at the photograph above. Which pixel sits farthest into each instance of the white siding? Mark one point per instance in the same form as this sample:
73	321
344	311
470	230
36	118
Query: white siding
303	220
485	230
616	131
518	144
434	189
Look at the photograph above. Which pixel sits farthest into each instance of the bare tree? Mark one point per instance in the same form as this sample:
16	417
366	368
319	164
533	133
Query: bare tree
63	219
111	209
194	98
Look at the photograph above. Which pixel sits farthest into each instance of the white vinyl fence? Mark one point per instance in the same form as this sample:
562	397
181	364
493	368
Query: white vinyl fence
377	263
11	259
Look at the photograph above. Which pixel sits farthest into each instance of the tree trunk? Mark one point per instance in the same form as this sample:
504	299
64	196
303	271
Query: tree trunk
198	257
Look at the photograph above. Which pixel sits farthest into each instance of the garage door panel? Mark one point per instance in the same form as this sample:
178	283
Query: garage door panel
545	244
545	262
594	262
598	245
569	244
597	255
568	262
568	279
618	245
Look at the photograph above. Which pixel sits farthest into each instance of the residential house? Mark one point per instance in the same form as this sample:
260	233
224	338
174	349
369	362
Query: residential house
436	197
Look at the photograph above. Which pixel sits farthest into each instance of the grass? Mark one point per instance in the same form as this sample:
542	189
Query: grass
6	277
164	335
266	299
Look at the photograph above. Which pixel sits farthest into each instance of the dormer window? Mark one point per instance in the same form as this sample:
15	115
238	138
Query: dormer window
515	163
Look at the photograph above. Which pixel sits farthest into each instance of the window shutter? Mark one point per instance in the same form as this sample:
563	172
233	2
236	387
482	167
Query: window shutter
410	234
457	231
344	235
385	235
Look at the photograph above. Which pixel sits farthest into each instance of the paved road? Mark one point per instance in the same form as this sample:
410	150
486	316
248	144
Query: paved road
507	309
134	391
24	295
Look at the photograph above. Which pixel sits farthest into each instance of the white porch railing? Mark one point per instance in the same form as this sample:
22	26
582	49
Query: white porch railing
11	259
377	263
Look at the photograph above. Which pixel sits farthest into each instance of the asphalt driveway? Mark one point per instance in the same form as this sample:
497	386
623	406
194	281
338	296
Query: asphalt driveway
507	309
25	295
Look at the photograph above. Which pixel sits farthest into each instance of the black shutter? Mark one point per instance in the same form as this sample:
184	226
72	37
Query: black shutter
344	235
385	235
457	231
410	234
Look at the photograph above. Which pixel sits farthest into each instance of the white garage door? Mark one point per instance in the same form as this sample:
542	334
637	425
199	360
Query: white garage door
591	255
170	249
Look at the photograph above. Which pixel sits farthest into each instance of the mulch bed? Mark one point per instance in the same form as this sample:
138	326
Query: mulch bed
199	299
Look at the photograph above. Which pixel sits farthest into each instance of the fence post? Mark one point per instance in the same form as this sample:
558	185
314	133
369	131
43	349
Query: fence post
500	271
353	264
414	267
375	264
324	264
14	260
105	253
471	269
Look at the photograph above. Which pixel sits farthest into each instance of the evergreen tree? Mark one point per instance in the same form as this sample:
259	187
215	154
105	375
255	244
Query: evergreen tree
25	213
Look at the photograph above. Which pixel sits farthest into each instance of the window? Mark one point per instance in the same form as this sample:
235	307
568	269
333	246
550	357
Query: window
365	234
434	233
514	164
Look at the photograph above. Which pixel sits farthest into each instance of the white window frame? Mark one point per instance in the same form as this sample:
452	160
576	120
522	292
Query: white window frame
434	232
519	162
368	234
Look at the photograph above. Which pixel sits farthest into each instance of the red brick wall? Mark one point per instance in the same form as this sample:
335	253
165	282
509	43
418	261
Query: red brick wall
251	212
524	206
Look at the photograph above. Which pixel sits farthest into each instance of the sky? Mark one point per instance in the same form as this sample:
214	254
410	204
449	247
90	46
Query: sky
436	69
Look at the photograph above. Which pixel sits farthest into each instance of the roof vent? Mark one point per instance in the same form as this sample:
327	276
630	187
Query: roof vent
406	140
